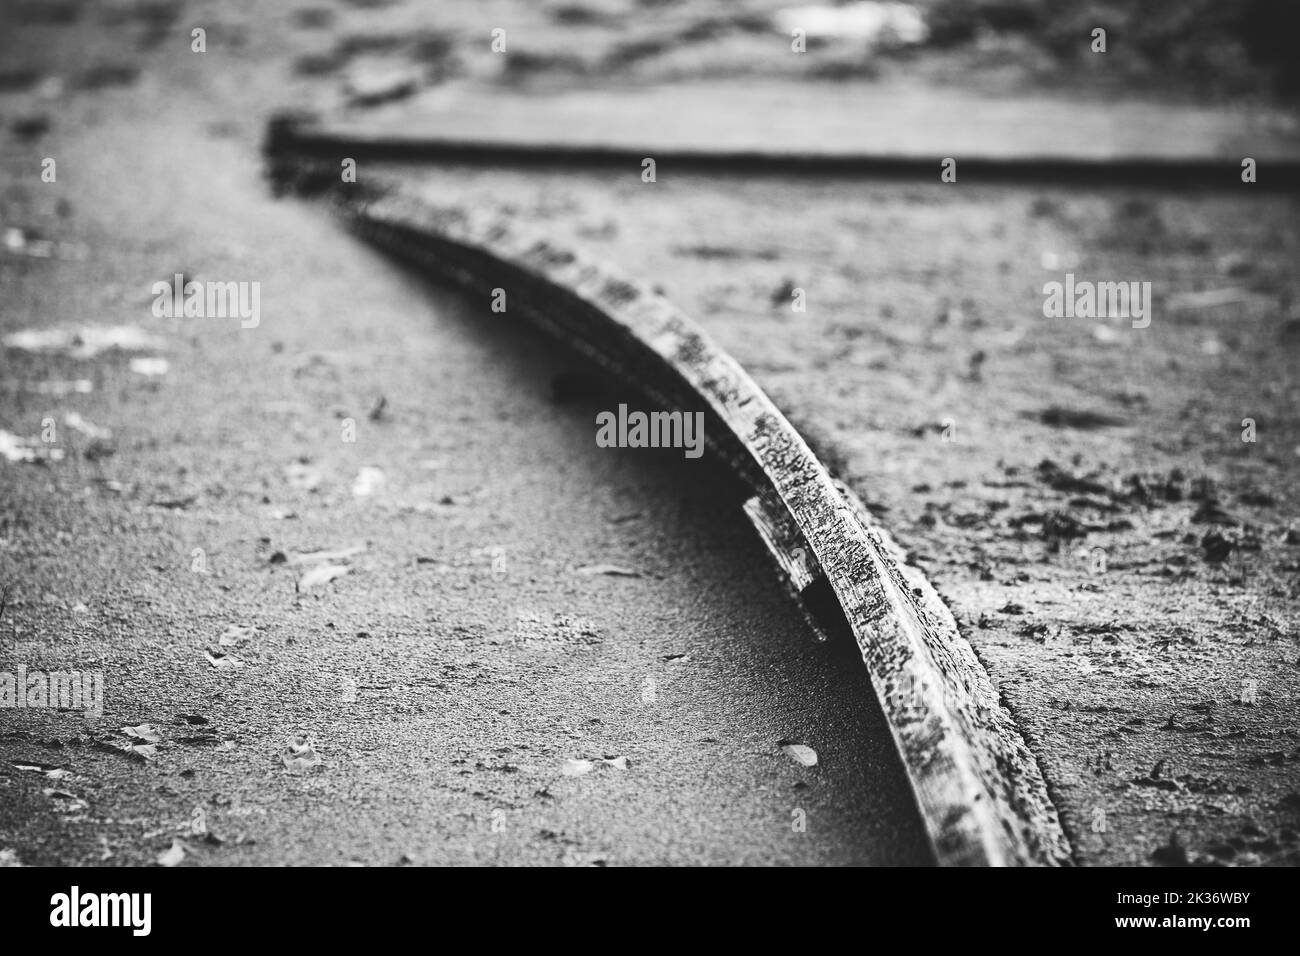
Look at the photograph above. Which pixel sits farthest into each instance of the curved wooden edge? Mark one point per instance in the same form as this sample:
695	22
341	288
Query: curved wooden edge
978	787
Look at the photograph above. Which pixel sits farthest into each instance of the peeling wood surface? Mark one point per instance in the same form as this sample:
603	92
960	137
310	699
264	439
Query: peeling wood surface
978	787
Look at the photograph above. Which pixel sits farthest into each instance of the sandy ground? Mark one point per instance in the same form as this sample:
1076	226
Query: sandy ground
1079	489
1122	561
475	692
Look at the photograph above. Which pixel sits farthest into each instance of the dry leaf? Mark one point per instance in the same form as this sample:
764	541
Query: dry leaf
87	428
149	366
83	343
146	732
15	448
612	570
367	481
143	752
175	504
222	661
172	855
801	753
317	557
322	574
300	753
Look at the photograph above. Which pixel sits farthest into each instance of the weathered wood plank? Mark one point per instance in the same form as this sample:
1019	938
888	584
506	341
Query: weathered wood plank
1198	151
979	789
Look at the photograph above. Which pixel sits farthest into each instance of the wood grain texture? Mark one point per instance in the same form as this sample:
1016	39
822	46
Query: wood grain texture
978	787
